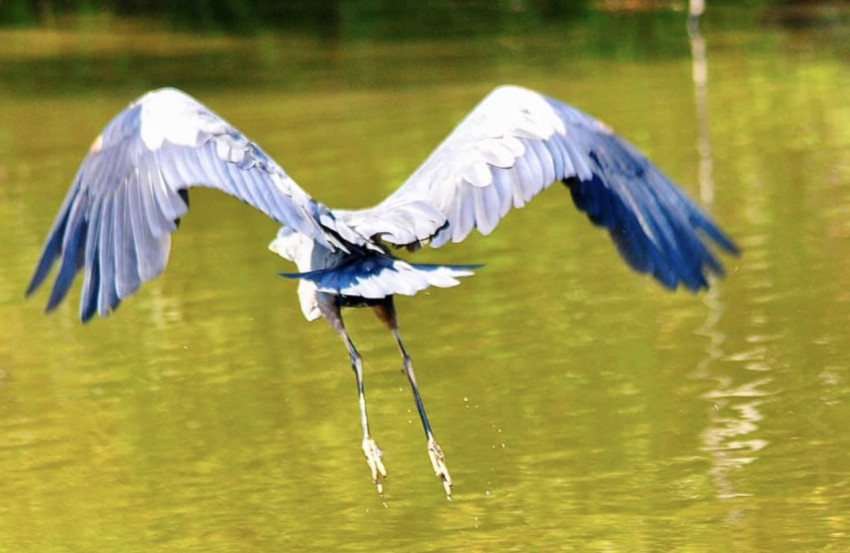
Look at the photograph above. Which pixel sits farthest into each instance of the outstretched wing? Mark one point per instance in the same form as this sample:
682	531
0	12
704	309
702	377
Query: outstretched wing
132	188
517	142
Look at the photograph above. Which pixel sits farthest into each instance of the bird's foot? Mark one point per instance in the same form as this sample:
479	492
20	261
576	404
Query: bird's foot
374	456
438	461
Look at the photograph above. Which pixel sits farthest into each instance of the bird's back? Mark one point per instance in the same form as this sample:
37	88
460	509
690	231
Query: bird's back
358	276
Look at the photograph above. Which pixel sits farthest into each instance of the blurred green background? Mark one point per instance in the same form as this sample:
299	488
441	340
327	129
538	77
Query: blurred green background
581	407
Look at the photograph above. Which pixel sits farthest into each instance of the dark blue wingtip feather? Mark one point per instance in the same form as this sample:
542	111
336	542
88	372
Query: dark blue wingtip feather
720	238
52	250
656	229
72	261
45	263
88	303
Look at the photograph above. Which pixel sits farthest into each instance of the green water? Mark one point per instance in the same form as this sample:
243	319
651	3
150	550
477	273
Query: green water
580	407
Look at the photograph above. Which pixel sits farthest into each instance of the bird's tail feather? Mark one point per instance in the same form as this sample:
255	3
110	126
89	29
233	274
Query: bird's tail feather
377	277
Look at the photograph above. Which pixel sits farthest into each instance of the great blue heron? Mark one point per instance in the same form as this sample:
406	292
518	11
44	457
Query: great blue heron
132	189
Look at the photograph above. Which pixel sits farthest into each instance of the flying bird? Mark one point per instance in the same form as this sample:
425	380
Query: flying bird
132	189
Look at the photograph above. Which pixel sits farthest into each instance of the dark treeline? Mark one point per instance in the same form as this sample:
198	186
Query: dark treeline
351	18
333	17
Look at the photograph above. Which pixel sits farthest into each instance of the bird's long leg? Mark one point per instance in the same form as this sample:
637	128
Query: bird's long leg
386	312
374	456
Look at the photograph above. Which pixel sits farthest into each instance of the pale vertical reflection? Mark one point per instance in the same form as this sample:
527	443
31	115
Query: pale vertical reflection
734	409
699	73
727	439
730	437
164	309
734	416
734	412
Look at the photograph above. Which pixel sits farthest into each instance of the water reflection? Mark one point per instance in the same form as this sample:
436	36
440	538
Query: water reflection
734	413
699	74
730	437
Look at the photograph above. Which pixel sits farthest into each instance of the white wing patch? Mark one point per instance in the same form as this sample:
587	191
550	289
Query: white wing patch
168	114
535	120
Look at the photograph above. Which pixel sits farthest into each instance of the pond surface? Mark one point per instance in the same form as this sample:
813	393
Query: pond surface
581	407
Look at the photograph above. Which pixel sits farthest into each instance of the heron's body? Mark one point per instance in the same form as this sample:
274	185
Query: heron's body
132	189
357	277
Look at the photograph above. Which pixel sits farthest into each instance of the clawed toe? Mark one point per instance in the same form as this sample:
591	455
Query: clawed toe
374	456
438	461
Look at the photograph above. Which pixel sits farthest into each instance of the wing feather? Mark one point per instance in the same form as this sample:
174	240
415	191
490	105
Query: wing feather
503	186
130	192
516	143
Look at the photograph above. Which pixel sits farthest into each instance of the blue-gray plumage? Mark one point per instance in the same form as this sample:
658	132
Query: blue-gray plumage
132	189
